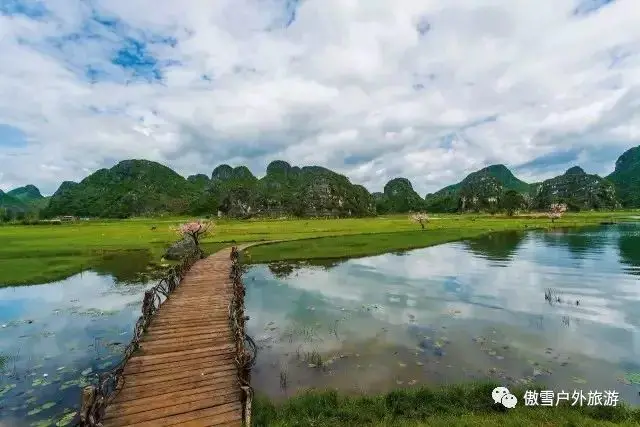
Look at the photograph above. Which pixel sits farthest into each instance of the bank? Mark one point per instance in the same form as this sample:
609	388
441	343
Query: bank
453	405
45	253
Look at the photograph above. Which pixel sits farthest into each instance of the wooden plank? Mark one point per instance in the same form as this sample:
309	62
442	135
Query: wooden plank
218	415
151	402
134	393
164	377
185	332
168	408
150	348
216	319
164	357
132	369
159	341
203	329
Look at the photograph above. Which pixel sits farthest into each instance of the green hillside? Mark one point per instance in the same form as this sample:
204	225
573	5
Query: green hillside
626	178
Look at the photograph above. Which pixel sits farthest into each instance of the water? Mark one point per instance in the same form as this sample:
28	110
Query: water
456	312
55	337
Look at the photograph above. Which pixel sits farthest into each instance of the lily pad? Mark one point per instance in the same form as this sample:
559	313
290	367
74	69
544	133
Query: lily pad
66	419
6	389
633	377
40	382
34	411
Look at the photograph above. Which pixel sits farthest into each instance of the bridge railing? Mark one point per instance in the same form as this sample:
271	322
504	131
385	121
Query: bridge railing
246	349
96	397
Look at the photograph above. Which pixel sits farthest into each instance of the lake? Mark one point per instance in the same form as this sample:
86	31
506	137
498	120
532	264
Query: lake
456	312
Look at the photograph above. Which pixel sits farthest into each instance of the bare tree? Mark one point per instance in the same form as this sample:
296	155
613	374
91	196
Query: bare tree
420	218
196	230
556	210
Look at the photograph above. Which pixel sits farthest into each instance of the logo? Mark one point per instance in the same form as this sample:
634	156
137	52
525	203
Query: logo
503	396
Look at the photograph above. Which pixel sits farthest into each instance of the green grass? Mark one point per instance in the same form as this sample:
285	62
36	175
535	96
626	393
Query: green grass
42	253
396	233
459	405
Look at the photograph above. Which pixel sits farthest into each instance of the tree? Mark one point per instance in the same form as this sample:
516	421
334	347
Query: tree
556	210
420	218
511	201
196	230
5	215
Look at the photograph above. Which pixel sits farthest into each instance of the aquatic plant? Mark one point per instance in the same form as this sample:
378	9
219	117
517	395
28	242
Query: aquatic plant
333	329
283	379
314	359
551	296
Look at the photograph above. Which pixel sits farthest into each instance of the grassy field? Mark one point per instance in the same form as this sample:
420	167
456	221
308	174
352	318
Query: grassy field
42	253
455	405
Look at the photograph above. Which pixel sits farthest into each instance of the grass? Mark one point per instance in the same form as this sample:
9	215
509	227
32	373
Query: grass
43	253
459	405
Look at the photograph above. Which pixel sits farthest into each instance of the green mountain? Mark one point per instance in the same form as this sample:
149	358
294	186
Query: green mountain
141	187
28	192
288	190
12	203
232	191
199	180
398	197
480	190
30	195
132	187
578	190
626	178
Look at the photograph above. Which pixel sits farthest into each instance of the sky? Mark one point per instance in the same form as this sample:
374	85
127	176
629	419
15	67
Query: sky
374	89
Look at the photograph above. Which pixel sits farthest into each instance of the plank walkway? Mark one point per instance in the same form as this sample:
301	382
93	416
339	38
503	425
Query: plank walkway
185	373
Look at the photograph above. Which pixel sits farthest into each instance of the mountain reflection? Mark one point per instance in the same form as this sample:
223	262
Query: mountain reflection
123	266
629	248
284	269
580	242
496	246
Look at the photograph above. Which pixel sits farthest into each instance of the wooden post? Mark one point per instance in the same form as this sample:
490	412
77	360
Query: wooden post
89	394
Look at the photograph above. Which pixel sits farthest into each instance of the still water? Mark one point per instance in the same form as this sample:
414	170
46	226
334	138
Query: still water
456	312
55	337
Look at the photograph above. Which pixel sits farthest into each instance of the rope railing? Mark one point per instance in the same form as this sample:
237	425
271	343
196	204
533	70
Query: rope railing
246	349
96	397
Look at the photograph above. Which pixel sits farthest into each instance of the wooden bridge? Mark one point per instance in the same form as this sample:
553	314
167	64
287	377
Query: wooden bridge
189	366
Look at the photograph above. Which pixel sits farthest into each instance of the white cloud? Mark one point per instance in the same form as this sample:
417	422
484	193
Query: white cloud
351	85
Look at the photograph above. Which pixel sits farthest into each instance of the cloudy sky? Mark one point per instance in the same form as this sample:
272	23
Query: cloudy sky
426	89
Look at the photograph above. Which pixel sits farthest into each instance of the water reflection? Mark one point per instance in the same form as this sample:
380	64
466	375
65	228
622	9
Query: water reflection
628	247
124	266
498	246
452	313
54	337
283	269
581	243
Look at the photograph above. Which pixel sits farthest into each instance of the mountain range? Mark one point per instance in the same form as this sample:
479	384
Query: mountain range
142	187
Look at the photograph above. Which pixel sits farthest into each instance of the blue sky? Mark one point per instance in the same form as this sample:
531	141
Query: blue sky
374	89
